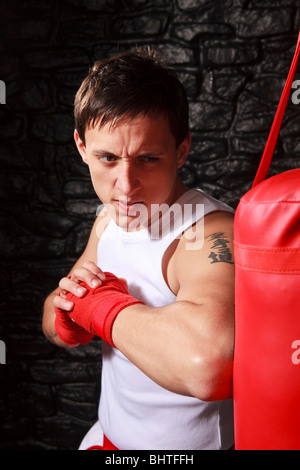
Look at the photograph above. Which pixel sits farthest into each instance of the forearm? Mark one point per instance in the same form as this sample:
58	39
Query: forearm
179	347
48	323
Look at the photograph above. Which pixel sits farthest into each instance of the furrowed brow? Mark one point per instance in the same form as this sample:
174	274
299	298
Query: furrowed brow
102	153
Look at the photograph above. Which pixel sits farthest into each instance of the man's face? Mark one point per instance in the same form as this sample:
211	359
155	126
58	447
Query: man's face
133	165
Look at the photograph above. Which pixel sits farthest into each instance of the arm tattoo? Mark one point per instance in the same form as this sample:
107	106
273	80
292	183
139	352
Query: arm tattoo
220	251
52	336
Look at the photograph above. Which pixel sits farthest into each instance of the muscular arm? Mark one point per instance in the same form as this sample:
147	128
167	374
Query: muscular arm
187	346
85	264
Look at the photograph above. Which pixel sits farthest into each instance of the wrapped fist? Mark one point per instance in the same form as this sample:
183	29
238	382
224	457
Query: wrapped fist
96	311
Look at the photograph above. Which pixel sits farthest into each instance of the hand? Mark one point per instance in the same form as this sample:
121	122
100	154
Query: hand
98	308
67	330
89	273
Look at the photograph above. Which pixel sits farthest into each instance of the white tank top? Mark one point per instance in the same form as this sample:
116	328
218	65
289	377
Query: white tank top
134	412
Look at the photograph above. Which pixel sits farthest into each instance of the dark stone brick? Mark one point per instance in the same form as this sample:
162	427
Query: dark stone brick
36	30
292	146
233	57
12	127
19	186
102	6
82	207
149	25
264	22
78	30
56	58
80	409
26	155
228	86
267	89
60	371
175	53
61	430
206	116
252	144
56	128
28	95
207	150
189	30
231	53
31	247
193	5
253	115
78	189
33	400
76	243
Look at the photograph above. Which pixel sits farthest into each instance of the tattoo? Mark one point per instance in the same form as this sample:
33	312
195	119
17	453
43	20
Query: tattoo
51	337
220	251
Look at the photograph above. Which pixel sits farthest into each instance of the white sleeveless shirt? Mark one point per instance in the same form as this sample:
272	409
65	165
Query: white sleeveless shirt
135	412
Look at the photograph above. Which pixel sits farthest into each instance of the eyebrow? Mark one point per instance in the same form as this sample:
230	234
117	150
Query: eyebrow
104	153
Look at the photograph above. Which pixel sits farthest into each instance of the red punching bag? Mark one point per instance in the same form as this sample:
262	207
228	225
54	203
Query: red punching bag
266	379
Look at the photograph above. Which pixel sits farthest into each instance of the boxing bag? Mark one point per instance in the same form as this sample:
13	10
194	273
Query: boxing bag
266	379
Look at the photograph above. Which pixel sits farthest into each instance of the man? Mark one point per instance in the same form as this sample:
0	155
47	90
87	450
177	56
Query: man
156	280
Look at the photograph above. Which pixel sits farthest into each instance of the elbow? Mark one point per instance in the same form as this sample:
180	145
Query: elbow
211	377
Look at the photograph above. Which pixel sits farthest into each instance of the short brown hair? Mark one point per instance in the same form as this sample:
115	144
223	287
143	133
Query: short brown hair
130	84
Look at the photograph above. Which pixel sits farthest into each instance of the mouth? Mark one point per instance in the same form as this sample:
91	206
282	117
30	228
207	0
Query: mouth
128	206
131	214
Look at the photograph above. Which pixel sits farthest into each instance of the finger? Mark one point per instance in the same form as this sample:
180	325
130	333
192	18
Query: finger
94	268
87	276
63	304
66	285
63	294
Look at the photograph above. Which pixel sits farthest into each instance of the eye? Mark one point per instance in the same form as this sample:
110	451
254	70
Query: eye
148	159
107	158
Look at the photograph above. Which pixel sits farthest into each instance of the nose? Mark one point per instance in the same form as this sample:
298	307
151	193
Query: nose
127	181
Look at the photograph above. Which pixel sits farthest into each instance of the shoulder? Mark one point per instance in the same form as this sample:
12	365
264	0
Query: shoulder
204	252
218	221
212	233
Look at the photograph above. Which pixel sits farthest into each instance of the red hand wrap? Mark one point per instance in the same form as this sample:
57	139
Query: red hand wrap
97	310
68	331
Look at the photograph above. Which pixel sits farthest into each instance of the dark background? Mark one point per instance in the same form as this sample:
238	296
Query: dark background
233	57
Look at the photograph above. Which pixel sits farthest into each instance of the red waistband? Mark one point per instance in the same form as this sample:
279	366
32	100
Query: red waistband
107	445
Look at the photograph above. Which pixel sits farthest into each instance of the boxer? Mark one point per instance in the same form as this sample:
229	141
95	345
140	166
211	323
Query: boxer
163	307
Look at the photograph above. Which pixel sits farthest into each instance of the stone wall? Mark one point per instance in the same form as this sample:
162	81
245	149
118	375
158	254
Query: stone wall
233	57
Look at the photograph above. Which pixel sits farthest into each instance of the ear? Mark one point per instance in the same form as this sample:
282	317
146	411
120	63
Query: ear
80	146
183	150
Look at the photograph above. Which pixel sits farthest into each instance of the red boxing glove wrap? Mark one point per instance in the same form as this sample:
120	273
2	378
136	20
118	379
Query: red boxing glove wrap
98	308
68	331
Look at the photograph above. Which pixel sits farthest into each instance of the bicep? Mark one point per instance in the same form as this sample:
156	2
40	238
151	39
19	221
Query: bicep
206	275
206	293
